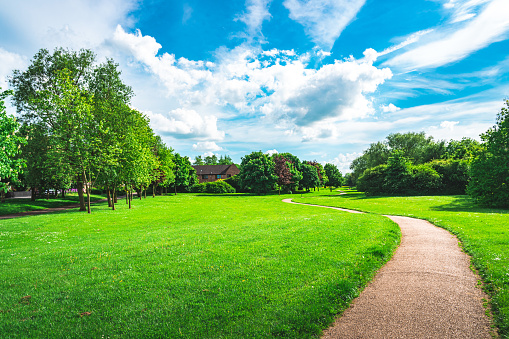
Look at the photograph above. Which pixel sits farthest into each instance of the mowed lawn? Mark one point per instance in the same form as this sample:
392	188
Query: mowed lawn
187	266
11	206
483	232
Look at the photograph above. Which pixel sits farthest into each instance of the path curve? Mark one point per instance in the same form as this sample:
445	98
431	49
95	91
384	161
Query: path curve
427	290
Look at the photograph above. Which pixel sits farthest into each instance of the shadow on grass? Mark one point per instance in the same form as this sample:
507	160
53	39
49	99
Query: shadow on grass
463	203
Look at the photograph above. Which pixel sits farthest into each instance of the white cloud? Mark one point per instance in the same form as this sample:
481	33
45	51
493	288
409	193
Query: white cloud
9	62
391	108
257	11
453	130
277	84
323	20
186	123
463	10
409	40
271	152
490	26
343	161
188	12
207	146
74	24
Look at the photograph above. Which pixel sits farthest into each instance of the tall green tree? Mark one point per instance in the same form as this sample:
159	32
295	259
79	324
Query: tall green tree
211	160
226	160
257	173
310	178
10	143
38	94
489	184
335	179
198	160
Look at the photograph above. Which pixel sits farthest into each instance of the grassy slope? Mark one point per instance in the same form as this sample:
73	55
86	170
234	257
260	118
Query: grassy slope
483	232
18	205
190	266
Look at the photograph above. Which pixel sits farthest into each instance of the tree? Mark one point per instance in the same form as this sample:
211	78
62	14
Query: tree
335	179
310	177
198	161
282	171
466	149
489	184
257	172
10	143
226	160
211	160
38	94
183	173
320	171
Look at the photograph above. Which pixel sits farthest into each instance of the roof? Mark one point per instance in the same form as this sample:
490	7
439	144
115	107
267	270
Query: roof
214	169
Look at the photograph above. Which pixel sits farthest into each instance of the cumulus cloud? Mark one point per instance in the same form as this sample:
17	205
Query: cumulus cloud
343	161
207	146
277	84
271	152
323	20
391	108
186	123
490	26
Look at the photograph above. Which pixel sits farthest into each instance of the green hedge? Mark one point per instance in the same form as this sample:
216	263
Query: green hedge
219	186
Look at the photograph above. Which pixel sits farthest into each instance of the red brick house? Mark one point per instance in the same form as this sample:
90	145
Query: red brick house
208	173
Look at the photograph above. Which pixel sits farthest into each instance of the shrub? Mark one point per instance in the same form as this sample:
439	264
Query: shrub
454	175
425	180
372	180
219	186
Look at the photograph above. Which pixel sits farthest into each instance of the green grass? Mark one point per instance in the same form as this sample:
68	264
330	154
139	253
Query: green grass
18	205
483	232
187	266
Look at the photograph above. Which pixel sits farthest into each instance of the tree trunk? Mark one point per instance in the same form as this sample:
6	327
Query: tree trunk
33	194
109	196
175	189
130	197
126	195
63	192
80	192
145	193
154	190
88	191
2	196
114	200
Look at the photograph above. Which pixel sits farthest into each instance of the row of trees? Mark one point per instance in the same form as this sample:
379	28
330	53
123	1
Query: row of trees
412	163
213	160
261	173
80	131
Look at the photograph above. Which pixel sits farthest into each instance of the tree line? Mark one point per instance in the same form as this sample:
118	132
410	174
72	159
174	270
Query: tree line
76	129
284	172
412	163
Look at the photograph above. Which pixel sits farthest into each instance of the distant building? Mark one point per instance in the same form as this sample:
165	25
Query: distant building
208	173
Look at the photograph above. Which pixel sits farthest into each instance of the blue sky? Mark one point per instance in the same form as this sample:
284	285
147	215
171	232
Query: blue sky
321	79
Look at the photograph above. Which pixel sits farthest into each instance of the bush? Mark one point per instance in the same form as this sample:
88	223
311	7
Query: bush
372	180
454	175
219	186
425	180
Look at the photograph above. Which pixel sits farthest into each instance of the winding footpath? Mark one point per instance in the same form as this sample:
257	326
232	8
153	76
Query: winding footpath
427	290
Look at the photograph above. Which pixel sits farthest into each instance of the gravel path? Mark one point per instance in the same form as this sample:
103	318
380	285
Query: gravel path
427	290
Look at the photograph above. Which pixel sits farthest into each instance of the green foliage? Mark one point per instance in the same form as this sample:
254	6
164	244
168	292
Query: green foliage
490	168
454	175
310	177
425	180
335	179
234	181
219	186
465	149
257	173
198	161
398	175
226	160
372	181
10	143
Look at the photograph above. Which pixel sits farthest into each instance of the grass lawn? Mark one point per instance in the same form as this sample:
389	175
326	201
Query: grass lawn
18	205
187	266
484	233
